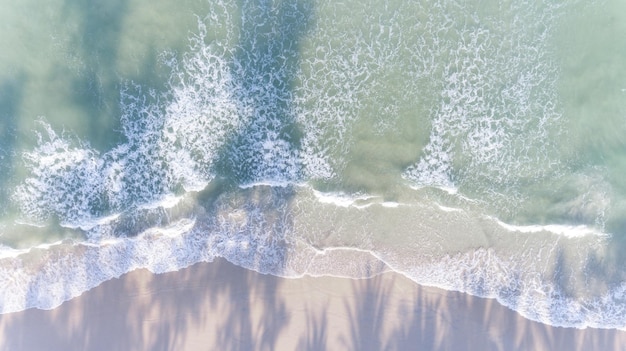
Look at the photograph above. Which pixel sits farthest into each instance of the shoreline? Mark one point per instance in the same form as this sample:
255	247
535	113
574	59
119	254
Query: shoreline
219	305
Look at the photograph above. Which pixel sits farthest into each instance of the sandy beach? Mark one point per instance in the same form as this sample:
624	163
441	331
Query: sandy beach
219	306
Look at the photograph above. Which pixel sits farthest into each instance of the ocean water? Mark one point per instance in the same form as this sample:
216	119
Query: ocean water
475	146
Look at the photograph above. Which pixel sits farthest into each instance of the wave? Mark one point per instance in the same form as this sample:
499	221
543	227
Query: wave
496	113
565	230
291	240
257	228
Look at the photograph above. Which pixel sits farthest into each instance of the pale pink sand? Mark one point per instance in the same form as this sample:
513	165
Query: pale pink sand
218	306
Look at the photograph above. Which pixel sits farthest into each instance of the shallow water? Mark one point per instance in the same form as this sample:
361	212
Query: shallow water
474	146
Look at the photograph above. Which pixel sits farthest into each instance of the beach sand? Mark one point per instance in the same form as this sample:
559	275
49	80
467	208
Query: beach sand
219	306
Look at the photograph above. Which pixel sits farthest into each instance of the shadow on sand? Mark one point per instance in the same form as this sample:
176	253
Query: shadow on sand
11	90
219	306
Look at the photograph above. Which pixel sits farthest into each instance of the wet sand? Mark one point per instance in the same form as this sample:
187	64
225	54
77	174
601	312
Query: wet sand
218	306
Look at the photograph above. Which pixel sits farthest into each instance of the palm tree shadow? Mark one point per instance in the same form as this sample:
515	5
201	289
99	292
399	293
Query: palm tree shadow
11	91
263	149
96	90
264	66
367	316
419	327
316	332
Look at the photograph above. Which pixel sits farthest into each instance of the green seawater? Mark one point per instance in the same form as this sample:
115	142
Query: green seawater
472	145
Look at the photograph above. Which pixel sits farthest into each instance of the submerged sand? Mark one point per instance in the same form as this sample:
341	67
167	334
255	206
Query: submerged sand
219	306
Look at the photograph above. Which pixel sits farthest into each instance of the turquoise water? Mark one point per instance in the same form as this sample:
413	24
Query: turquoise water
474	146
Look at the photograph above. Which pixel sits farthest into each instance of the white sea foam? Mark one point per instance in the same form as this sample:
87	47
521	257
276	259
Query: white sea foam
519	286
30	223
258	233
70	269
449	209
340	199
168	201
219	111
566	230
9	252
497	111
269	183
486	273
390	204
91	223
449	188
